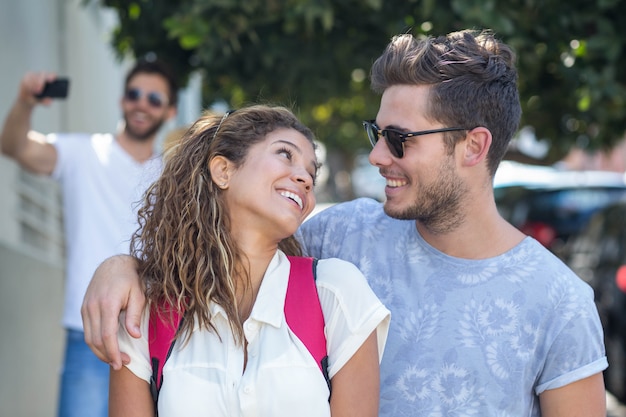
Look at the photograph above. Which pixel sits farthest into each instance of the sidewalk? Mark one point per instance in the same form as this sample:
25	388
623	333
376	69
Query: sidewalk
613	407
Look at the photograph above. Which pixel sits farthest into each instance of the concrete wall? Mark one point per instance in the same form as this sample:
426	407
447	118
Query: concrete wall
31	348
31	293
64	37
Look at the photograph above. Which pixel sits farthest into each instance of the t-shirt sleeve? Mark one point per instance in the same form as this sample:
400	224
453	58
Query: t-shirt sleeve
71	149
351	311
137	349
64	145
577	349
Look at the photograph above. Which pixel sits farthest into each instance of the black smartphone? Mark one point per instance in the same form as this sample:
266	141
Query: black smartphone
58	88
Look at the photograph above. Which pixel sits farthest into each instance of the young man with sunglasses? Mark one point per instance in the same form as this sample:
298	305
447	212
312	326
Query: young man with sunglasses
101	177
485	321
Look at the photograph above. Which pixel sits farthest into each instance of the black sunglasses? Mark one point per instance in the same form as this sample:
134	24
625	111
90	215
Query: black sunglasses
395	138
155	99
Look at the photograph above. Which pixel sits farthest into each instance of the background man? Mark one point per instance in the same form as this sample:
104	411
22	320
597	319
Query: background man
101	176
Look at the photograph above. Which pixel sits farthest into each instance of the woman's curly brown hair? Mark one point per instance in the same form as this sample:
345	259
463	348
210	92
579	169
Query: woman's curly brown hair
186	255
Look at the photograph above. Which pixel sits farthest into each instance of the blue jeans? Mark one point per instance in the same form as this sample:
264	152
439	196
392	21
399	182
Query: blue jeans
84	380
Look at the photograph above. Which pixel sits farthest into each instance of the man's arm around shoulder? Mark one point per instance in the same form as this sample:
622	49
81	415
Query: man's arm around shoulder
114	287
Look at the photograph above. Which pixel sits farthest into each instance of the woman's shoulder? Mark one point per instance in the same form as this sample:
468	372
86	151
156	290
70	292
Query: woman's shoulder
336	265
339	274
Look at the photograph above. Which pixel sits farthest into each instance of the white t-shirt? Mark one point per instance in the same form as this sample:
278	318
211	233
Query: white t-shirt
101	185
206	376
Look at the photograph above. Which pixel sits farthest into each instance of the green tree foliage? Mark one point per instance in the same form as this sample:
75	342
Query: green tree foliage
314	56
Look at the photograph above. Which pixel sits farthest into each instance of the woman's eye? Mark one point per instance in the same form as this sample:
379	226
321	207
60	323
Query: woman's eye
285	152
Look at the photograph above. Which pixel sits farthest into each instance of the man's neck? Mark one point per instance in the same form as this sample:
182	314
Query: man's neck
479	236
139	150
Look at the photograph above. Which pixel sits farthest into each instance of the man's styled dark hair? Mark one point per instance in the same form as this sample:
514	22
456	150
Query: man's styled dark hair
154	66
472	80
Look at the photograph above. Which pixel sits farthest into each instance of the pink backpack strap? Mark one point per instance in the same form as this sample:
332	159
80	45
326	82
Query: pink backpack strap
303	311
161	339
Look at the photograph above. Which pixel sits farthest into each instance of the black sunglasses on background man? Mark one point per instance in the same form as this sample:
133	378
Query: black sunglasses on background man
154	98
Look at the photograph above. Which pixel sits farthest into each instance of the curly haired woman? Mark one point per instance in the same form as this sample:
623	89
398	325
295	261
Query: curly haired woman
215	232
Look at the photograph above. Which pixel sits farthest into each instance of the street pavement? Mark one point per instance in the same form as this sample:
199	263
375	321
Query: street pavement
613	407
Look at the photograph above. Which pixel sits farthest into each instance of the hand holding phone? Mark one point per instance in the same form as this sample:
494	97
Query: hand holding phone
58	88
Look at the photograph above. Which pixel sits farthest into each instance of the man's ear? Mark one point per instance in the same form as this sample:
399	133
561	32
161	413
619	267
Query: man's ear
476	146
220	168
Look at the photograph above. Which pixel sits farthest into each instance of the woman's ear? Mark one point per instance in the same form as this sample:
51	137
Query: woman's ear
477	144
219	167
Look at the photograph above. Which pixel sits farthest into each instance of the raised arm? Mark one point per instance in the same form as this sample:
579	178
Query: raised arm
114	287
17	140
584	398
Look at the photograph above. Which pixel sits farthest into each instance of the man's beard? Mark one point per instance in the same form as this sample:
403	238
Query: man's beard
438	204
142	136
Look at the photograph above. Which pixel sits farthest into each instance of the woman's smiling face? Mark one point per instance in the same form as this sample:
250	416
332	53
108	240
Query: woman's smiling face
273	189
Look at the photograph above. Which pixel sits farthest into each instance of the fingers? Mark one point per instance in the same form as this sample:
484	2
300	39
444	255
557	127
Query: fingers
114	287
108	339
91	329
136	303
100	325
32	84
125	358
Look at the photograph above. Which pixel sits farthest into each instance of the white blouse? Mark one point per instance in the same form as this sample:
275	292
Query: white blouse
206	376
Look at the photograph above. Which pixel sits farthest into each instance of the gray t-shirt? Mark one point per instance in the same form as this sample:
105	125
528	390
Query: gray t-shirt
467	337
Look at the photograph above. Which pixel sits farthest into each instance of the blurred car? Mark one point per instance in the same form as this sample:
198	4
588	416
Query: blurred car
544	202
550	204
366	180
598	255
